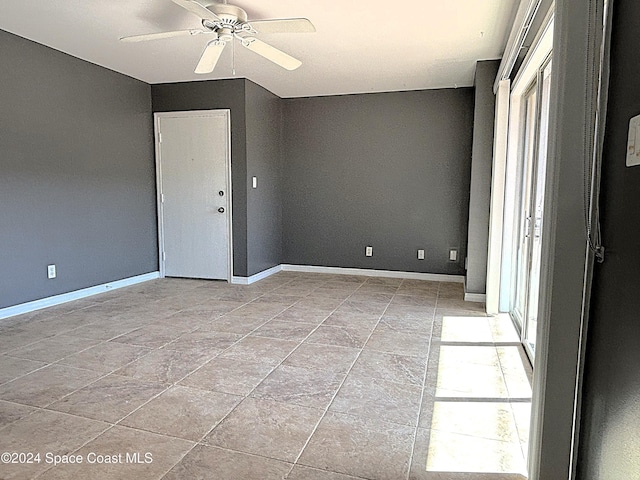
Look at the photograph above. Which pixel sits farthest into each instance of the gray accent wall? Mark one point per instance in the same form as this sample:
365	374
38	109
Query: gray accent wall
264	161
256	150
390	170
211	95
610	441
77	179
481	166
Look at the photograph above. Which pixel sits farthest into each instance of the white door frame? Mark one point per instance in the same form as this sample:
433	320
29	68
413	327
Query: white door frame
182	114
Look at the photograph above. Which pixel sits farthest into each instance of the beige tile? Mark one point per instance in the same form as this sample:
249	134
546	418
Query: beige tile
303	315
299	385
401	324
459	354
502	328
329	358
300	472
353	337
346	317
371	296
166	366
391	340
390	367
54	348
44	386
284	330
151	336
10	412
470	380
204	340
228	375
378	399
365	448
150	456
515	374
108	399
491	420
183	412
466	329
522	416
268	351
105	357
41	432
364	307
451	290
103	330
204	462
12	368
452	452
255	423
233	323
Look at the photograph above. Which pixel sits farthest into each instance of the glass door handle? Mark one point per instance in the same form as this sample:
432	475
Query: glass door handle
537	227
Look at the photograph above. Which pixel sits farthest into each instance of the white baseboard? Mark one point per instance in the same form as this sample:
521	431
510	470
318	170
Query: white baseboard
257	276
75	295
366	272
475	297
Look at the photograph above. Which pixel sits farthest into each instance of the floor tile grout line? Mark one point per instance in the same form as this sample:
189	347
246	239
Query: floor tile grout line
111	425
424	386
244	397
326	410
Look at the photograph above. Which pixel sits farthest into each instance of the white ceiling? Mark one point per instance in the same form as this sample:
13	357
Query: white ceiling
360	45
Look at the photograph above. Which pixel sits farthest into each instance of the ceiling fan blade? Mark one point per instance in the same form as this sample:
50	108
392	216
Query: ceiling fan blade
160	35
283	25
210	57
197	9
271	53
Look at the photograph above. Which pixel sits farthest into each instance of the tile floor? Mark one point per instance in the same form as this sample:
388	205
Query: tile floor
299	376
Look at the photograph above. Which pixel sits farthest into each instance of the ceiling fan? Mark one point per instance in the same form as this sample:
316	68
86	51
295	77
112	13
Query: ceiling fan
223	22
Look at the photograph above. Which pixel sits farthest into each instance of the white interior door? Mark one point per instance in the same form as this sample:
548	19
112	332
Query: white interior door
194	195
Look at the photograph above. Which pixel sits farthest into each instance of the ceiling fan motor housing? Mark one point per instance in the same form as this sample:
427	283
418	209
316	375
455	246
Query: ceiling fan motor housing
231	17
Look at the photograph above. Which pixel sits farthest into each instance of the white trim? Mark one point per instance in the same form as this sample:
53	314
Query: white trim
538	52
75	295
498	186
525	15
434	277
257	276
475	297
159	204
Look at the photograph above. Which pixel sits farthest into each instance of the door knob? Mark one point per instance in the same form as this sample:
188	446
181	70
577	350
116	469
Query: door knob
221	209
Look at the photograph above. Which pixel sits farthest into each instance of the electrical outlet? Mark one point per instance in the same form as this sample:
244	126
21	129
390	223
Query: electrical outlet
368	251
420	254
453	254
51	271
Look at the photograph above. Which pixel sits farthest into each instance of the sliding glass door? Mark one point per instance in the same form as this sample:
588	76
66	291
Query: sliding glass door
532	174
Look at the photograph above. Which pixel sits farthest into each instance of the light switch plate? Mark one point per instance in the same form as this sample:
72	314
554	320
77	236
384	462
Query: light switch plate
254	181
633	145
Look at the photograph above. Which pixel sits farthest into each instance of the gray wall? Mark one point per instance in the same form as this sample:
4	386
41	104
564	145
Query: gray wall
611	411
264	161
211	95
481	165
390	170
77	181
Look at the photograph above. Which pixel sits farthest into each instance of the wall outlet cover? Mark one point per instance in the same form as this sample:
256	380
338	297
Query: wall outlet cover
368	251
420	254
51	271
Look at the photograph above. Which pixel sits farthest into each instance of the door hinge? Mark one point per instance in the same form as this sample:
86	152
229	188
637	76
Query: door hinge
159	137
162	198
164	256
